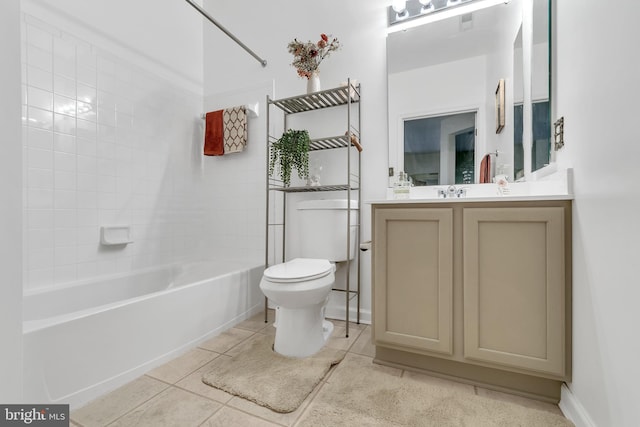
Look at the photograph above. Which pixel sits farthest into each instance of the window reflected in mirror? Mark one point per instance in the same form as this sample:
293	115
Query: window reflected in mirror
541	144
440	149
518	101
518	148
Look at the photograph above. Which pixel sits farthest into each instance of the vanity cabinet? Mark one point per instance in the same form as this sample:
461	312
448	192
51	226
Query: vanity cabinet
414	280
476	290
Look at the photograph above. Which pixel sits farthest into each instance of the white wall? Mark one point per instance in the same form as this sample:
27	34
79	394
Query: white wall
237	181
597	87
10	206
360	27
166	35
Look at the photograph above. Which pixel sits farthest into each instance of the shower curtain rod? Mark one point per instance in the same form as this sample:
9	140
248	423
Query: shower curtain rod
204	13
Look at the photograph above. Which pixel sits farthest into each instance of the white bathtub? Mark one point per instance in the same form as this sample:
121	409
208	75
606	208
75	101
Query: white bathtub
85	339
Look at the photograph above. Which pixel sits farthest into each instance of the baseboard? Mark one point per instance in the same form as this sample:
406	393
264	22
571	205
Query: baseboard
338	313
573	409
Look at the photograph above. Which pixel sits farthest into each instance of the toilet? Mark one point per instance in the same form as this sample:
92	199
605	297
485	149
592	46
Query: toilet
300	287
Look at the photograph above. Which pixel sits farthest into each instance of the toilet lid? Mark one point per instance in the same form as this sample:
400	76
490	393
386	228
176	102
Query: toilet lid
298	269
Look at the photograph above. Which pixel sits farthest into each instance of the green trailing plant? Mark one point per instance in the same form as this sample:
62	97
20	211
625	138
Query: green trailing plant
290	151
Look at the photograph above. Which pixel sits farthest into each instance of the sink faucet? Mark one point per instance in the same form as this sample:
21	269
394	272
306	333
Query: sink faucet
452	192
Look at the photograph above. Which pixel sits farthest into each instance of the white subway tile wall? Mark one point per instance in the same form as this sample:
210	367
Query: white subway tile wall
109	142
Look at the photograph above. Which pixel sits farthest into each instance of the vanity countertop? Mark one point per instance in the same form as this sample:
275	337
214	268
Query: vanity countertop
507	198
559	188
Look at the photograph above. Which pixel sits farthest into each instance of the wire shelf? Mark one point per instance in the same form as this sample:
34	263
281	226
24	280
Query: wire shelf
318	100
307	189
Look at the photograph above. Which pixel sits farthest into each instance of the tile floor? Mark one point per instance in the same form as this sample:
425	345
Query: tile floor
174	395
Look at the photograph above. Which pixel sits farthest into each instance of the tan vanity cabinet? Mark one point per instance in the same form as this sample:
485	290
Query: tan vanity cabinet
484	285
514	293
414	278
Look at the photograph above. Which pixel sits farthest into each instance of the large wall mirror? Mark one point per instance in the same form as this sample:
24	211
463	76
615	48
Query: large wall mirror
445	73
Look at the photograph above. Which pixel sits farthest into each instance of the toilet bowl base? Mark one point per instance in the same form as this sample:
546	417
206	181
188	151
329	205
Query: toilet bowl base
301	332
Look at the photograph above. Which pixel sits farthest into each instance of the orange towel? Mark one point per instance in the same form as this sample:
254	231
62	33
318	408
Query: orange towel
214	134
485	169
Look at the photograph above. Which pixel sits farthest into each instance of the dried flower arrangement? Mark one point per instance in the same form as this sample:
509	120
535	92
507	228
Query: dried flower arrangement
309	55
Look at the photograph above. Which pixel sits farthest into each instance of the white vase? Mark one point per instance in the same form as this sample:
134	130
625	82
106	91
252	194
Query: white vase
313	83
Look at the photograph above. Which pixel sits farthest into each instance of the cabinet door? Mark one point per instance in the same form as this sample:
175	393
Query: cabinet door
413	276
514	287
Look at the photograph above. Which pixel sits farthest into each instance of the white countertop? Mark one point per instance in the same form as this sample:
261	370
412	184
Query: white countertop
509	198
558	187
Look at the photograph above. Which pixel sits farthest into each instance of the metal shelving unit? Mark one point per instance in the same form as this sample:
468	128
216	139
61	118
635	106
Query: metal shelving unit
348	98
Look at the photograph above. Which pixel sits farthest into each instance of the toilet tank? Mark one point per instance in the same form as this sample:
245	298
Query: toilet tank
323	229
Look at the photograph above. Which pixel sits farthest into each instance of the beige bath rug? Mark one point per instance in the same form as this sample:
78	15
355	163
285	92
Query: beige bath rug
269	379
360	393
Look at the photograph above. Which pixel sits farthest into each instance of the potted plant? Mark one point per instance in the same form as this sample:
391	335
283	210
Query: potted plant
291	150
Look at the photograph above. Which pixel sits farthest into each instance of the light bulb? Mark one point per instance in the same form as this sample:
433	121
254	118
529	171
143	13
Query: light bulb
427	6
399	6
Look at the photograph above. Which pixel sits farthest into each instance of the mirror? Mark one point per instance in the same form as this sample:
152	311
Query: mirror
518	102
540	86
453	66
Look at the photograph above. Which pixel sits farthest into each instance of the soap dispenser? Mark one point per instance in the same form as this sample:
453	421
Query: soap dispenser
401	186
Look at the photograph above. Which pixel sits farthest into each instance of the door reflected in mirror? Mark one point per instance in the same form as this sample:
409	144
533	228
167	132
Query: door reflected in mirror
440	149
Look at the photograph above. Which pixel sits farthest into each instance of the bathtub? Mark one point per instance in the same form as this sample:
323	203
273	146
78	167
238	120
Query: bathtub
85	339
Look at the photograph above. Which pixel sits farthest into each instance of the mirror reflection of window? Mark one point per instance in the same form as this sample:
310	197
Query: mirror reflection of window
440	149
541	148
518	102
518	148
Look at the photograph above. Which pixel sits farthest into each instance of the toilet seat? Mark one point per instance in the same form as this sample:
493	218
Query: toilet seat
299	270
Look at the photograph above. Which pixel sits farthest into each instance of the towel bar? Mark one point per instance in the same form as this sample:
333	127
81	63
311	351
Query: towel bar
253	111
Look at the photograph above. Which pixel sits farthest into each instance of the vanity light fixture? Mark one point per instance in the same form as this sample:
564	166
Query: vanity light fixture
400	8
427	6
420	12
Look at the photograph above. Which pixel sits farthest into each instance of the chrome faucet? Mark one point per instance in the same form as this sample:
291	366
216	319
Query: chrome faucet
452	192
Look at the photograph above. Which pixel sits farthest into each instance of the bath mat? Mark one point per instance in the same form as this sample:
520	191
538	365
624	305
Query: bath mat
269	379
360	393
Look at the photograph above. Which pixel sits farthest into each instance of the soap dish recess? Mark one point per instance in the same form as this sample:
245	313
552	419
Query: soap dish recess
111	235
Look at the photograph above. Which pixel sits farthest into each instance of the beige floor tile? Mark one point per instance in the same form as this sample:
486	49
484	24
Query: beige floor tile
256	323
363	344
439	382
269	329
193	383
338	341
226	340
108	408
72	424
183	365
243	345
173	407
261	412
519	400
227	417
352	324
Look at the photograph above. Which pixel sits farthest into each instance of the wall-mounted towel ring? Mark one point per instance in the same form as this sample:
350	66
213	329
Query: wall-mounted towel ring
253	110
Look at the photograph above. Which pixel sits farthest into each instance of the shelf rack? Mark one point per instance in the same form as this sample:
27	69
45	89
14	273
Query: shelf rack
346	97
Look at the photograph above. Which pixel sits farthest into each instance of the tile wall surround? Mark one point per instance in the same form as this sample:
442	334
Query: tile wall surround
107	141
